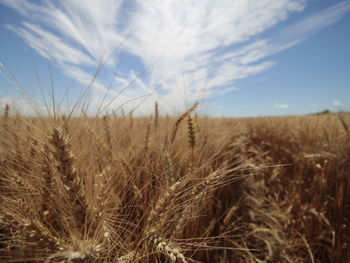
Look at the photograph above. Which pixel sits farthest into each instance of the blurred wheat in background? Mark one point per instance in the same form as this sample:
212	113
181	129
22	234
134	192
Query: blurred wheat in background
186	189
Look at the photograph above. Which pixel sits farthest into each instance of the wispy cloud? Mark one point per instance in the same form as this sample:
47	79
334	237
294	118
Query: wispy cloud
337	103
201	45
51	46
20	104
281	106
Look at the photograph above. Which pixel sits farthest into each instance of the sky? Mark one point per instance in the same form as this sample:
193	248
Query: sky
237	58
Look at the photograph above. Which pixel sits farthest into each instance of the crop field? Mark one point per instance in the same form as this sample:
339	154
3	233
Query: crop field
174	189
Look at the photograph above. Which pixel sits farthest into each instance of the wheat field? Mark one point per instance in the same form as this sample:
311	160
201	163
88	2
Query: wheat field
115	189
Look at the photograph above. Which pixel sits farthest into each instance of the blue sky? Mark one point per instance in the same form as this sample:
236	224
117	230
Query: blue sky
239	58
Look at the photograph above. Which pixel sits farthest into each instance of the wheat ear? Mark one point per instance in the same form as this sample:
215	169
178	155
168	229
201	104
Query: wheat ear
70	178
156	115
166	247
159	210
191	131
180	119
196	194
191	138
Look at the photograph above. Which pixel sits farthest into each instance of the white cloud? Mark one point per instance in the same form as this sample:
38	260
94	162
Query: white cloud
51	46
319	20
194	42
337	103
20	105
281	106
